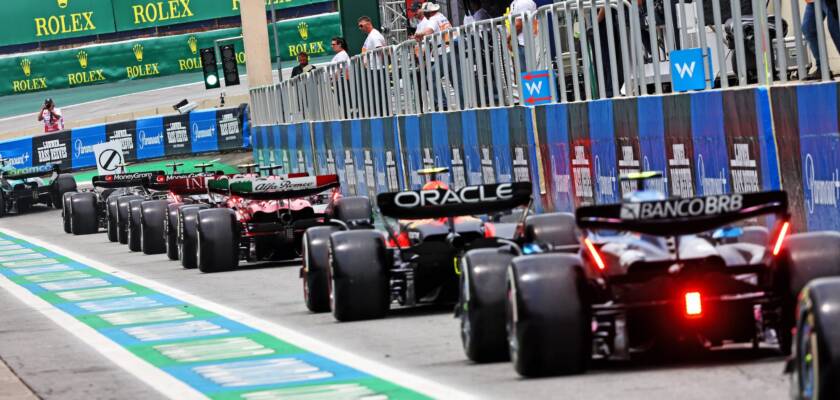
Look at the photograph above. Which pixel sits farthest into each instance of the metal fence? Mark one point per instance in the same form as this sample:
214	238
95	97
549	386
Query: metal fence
596	49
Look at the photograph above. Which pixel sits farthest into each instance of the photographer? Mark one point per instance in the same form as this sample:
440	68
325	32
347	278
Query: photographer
51	116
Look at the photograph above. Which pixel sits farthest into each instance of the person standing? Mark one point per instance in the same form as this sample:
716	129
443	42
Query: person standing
477	12
339	46
809	29
51	116
376	40
303	64
519	8
436	22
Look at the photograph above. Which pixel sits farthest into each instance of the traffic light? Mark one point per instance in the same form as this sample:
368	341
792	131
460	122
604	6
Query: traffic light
231	70
211	70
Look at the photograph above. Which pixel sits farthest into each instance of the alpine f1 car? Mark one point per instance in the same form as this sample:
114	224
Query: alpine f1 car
264	218
417	262
657	274
20	189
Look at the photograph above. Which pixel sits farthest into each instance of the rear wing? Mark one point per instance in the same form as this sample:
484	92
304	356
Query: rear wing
182	184
443	203
30	172
279	187
682	216
125	180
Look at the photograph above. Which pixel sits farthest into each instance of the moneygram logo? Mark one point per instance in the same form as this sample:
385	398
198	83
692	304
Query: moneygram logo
82	56
26	66
138	52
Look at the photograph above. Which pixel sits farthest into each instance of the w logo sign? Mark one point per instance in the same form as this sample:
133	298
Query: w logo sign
536	87
690	69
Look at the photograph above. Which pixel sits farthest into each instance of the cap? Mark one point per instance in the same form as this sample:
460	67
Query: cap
430	7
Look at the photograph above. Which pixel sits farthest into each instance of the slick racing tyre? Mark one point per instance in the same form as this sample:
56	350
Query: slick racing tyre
62	184
152	217
483	274
133	226
218	240
805	257
83	219
817	342
355	211
557	230
65	211
170	230
122	216
187	240
316	268
360	282
111	225
548	317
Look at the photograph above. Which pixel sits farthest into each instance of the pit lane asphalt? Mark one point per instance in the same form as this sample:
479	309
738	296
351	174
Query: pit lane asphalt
425	341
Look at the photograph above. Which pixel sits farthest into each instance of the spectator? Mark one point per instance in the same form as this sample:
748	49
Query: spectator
303	65
339	46
436	22
374	38
380	81
809	29
51	116
477	12
419	17
517	8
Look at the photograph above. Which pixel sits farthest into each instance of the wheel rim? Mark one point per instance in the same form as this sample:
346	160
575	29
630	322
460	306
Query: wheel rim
809	360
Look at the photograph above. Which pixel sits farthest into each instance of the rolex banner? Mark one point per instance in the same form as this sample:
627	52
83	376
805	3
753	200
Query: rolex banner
148	58
33	21
201	131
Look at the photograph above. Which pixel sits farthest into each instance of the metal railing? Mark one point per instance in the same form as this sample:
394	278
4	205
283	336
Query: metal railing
596	49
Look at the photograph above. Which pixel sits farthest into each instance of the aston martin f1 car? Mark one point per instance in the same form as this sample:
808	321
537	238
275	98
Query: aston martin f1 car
417	262
656	273
264	218
20	189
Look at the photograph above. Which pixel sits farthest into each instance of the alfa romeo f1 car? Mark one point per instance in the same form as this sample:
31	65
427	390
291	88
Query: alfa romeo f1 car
358	274
264	218
655	273
20	189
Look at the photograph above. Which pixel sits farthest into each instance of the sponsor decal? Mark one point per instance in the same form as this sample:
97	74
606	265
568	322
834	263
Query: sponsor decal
628	164
149	140
682	208
31	84
52	150
488	171
521	172
744	170
466	195
280	184
229	127
64	23
819	192
711	185
84	77
680	170
391	170
370	177
459	172
16	160
350	170
161	11
606	183
80	148
331	169
202	133
176	134
582	174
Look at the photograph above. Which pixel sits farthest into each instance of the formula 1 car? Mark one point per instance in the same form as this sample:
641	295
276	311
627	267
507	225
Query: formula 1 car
663	273
417	263
264	218
20	189
87	212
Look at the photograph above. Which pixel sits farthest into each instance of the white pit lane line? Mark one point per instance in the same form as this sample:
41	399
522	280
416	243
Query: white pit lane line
174	388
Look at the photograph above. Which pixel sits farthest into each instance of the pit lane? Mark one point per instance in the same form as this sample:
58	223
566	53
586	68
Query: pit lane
423	341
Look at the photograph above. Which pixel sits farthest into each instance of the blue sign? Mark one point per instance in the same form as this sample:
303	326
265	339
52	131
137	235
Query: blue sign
83	140
688	71
17	153
149	139
203	131
537	87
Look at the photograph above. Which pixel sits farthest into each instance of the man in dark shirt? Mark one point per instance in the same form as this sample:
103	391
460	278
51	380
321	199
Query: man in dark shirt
303	65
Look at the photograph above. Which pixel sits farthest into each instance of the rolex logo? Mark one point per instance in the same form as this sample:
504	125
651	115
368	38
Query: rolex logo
193	43
138	52
303	29
26	66
83	58
63	3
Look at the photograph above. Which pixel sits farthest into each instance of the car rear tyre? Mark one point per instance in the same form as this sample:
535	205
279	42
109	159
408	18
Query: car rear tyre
559	230
83	214
170	230
62	184
355	210
316	268
65	211
122	217
817	345
187	240
483	274
133	226
111	225
359	278
152	217
548	318
218	240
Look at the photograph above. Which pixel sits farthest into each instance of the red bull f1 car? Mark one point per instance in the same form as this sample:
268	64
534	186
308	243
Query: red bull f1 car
359	274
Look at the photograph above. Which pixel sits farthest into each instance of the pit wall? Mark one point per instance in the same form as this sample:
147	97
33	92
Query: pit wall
707	143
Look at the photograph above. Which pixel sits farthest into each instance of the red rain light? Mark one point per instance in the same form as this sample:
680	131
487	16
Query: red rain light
781	238
693	304
594	253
